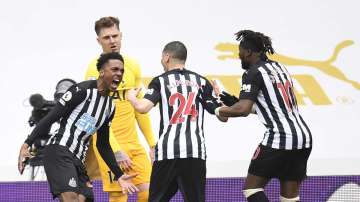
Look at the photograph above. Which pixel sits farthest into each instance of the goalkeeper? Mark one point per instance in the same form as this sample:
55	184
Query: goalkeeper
134	159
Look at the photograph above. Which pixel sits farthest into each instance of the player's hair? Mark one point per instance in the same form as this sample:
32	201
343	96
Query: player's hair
177	50
255	41
105	57
106	22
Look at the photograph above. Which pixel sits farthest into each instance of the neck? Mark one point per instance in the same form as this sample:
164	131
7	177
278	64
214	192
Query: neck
176	66
101	87
255	60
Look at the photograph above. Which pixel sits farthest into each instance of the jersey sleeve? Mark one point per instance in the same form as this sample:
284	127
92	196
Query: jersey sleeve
66	104
207	100
153	91
104	147
251	84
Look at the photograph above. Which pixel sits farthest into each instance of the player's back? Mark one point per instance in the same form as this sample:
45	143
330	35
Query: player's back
182	94
277	108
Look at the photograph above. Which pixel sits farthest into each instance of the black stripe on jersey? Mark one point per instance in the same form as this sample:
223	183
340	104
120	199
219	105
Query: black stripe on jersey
188	124
197	131
178	125
284	110
308	130
273	112
73	127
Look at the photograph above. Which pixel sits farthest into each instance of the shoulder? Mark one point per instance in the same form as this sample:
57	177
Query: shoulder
131	63
92	72
198	75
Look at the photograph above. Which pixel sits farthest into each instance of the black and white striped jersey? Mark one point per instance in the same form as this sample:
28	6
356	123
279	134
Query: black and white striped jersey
83	111
269	84
182	96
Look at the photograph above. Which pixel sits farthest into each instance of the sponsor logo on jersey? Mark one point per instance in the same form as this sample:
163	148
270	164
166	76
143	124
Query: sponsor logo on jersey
150	91
246	88
86	123
72	182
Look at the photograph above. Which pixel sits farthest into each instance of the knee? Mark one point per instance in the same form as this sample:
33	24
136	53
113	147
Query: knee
143	196
69	196
295	199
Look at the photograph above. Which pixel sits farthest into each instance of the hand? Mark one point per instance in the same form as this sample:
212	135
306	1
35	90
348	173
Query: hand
133	93
24	154
126	185
227	99
123	160
215	87
152	154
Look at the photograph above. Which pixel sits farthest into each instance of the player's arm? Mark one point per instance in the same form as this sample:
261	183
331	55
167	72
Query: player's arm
208	101
63	108
107	154
150	99
251	84
143	120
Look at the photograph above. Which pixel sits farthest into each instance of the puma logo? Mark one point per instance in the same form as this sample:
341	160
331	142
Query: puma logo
231	51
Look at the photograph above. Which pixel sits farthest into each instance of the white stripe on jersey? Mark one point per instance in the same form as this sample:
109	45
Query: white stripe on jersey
171	135
182	135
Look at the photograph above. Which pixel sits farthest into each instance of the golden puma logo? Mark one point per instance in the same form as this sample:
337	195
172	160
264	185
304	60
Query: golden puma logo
326	66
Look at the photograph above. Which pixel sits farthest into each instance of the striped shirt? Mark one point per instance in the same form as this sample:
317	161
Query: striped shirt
182	96
270	86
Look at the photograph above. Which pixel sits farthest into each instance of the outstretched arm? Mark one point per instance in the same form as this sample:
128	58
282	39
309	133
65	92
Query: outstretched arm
140	105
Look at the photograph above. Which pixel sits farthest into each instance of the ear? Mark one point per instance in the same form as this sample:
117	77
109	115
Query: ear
101	73
98	40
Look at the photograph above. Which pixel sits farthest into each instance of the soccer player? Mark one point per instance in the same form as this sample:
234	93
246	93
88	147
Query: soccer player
130	153
287	142
84	109
180	151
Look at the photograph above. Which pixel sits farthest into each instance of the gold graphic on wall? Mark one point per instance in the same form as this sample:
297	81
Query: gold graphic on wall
326	66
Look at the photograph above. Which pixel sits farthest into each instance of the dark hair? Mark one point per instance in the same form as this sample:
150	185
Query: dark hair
177	50
255	41
105	57
106	22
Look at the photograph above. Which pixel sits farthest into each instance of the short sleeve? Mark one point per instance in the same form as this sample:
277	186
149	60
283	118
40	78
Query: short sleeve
153	91
251	84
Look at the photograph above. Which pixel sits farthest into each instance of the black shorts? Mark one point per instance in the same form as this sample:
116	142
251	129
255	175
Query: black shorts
188	175
282	164
65	172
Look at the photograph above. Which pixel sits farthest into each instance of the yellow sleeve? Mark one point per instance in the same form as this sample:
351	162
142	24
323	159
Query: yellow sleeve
143	120
113	143
92	72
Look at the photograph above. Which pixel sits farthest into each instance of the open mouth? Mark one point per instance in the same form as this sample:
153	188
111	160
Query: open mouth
115	83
